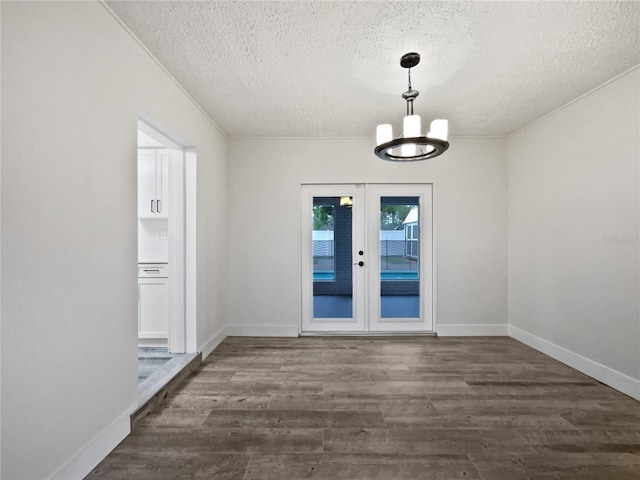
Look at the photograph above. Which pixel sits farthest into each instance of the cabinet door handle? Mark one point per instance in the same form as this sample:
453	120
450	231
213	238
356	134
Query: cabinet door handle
158	203
152	207
152	270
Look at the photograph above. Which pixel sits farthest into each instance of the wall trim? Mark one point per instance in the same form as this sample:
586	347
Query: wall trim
473	330
96	449
370	138
570	102
213	342
262	330
160	65
607	375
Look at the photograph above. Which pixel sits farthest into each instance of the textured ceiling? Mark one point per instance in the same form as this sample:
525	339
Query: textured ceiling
321	68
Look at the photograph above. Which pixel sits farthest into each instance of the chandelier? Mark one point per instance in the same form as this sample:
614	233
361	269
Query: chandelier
411	145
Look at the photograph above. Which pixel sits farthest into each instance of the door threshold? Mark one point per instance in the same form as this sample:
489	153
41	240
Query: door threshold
168	378
368	334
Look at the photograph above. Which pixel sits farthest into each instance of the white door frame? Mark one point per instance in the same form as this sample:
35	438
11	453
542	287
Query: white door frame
176	234
190	267
182	242
362	280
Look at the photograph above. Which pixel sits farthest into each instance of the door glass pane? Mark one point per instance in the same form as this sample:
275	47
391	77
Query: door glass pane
399	257
332	253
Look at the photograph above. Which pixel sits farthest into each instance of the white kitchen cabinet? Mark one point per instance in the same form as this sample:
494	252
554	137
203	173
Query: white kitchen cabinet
153	301
153	182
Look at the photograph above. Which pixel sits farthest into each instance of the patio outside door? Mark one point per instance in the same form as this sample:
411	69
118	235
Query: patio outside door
367	255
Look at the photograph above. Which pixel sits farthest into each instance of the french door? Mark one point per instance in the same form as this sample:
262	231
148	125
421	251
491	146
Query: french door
367	258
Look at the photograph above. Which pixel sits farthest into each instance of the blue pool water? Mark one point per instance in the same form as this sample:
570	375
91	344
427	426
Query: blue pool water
324	276
387	275
399	275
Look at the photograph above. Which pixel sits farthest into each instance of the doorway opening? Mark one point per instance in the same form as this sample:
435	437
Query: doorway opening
166	259
367	258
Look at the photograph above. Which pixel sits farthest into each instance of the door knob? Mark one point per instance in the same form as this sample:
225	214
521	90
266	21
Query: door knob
360	252
360	263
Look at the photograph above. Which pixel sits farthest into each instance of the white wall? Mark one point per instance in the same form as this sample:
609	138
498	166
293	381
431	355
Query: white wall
73	82
264	226
153	243
574	233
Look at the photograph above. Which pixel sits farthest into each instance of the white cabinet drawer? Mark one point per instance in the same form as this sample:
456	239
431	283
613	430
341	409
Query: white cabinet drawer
150	270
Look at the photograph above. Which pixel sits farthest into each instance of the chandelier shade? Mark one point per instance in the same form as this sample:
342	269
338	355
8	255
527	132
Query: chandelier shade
384	133
411	145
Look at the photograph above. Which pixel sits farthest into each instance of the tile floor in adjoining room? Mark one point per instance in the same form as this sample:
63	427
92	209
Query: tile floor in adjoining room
156	367
150	360
383	408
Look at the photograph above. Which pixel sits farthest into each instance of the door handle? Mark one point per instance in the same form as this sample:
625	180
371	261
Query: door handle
152	207
360	263
158	205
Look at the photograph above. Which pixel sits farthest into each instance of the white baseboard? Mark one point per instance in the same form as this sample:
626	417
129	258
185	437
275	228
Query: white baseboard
471	330
86	459
621	382
213	342
262	330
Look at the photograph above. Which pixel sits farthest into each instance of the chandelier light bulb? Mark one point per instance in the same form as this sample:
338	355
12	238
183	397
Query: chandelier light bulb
439	129
411	128
384	133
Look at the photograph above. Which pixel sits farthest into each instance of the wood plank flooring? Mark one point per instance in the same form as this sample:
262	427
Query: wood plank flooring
383	408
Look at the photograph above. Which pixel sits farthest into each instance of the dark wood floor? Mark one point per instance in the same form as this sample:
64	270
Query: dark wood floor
383	408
